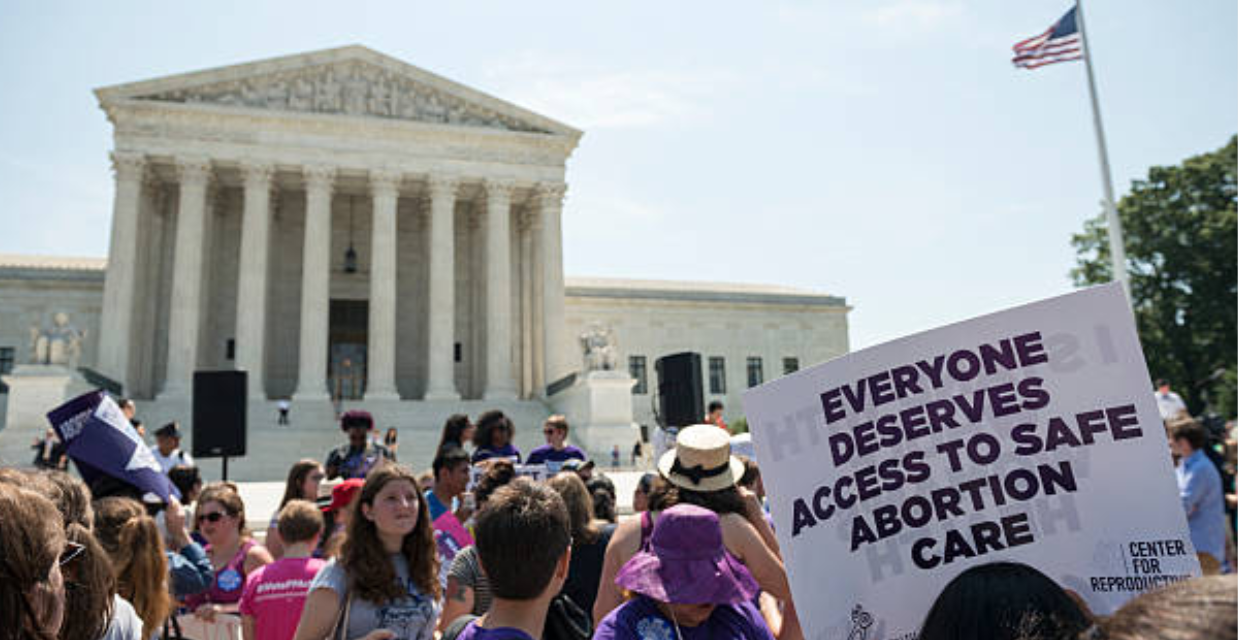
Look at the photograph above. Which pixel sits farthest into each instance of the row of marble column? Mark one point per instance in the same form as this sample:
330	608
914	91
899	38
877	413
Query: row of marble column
194	175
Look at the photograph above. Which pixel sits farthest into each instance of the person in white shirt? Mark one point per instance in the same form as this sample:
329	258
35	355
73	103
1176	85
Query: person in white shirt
1169	403
167	447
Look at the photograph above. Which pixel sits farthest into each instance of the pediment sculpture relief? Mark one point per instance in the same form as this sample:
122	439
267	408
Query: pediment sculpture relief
352	88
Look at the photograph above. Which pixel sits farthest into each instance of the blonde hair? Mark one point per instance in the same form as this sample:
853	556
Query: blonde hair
132	540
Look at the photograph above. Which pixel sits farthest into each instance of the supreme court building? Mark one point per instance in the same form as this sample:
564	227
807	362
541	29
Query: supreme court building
341	224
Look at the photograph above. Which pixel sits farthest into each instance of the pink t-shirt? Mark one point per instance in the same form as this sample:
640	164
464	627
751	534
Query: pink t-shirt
275	594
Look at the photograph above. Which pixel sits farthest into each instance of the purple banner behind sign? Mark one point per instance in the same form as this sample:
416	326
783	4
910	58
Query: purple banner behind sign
101	441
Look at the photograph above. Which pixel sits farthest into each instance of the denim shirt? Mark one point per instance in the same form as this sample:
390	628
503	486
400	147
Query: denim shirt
1200	487
191	570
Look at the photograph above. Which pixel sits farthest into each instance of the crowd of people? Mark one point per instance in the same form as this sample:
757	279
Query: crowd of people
366	557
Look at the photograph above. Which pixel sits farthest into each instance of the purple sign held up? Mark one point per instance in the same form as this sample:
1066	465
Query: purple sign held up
101	441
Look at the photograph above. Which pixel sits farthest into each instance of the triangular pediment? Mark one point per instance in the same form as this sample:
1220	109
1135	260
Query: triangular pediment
348	81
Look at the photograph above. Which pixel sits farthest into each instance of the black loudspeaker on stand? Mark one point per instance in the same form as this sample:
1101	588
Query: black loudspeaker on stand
680	391
219	413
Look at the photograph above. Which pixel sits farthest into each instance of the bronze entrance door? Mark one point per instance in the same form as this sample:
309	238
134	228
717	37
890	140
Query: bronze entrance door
350	321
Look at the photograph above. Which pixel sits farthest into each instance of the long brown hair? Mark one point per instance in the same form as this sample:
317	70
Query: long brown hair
296	478
89	587
132	540
31	539
579	503
362	556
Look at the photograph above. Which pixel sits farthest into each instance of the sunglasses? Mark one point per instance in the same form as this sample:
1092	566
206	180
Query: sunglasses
547	432
214	516
71	551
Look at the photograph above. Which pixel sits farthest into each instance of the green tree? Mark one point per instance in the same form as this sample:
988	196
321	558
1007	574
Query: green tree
1181	228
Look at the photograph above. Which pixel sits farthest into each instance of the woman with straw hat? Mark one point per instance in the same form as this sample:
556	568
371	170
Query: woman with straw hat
701	471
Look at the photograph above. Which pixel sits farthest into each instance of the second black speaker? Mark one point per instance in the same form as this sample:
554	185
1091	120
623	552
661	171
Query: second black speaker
680	391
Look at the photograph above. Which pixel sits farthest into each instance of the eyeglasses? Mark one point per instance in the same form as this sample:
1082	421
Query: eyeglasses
214	516
71	551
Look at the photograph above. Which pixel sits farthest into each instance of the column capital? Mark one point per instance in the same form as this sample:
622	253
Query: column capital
319	177
499	188
257	174
193	169
128	165
551	193
443	185
385	182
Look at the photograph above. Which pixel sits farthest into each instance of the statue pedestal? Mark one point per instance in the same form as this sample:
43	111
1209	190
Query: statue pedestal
34	389
598	407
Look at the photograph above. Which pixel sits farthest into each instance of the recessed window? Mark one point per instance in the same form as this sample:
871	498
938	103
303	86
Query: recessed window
459	352
717	375
7	356
638	369
790	365
756	374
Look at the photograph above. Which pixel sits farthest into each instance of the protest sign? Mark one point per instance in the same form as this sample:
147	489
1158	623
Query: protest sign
101	441
451	538
534	472
1029	435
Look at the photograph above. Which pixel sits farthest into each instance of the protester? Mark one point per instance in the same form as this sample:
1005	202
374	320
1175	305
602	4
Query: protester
1003	601
1197	609
283	406
188	480
130	410
458	431
1169	403
494	437
275	594
167	449
524	540
701	471
32	542
234	554
602	492
1199	485
614	457
189	568
589	539
304	479
636	452
360	455
392	441
49	451
96	609
337	514
556	451
687	585
386	577
640	495
451	478
713	415
468	590
131	540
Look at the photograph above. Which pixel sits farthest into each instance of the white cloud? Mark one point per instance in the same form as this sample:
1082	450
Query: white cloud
590	97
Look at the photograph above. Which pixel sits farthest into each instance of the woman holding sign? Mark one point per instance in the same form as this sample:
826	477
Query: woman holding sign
702	471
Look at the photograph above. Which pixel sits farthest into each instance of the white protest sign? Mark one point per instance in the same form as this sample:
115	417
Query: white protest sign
1030	435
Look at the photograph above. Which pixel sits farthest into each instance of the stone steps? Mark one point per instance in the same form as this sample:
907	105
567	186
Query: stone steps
313	432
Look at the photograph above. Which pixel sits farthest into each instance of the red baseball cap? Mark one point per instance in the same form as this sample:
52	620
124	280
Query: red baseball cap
343	493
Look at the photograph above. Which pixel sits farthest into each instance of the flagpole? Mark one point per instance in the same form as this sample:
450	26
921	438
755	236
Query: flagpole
1117	251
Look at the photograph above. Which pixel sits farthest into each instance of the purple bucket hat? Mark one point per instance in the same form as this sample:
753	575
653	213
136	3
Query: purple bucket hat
686	562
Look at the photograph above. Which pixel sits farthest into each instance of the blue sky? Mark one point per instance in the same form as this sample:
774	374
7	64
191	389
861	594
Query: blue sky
885	150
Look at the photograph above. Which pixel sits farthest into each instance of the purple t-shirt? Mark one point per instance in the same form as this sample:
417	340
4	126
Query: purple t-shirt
640	619
506	451
474	632
547	453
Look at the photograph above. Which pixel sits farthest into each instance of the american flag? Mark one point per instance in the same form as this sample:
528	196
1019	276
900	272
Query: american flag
1060	43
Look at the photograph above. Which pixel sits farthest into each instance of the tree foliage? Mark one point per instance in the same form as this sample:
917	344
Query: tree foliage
1181	231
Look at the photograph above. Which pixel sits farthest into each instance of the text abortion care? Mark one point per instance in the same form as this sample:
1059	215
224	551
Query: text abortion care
1029	435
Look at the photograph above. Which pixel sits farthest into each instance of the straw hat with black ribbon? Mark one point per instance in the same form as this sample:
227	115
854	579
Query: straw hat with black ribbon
701	460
